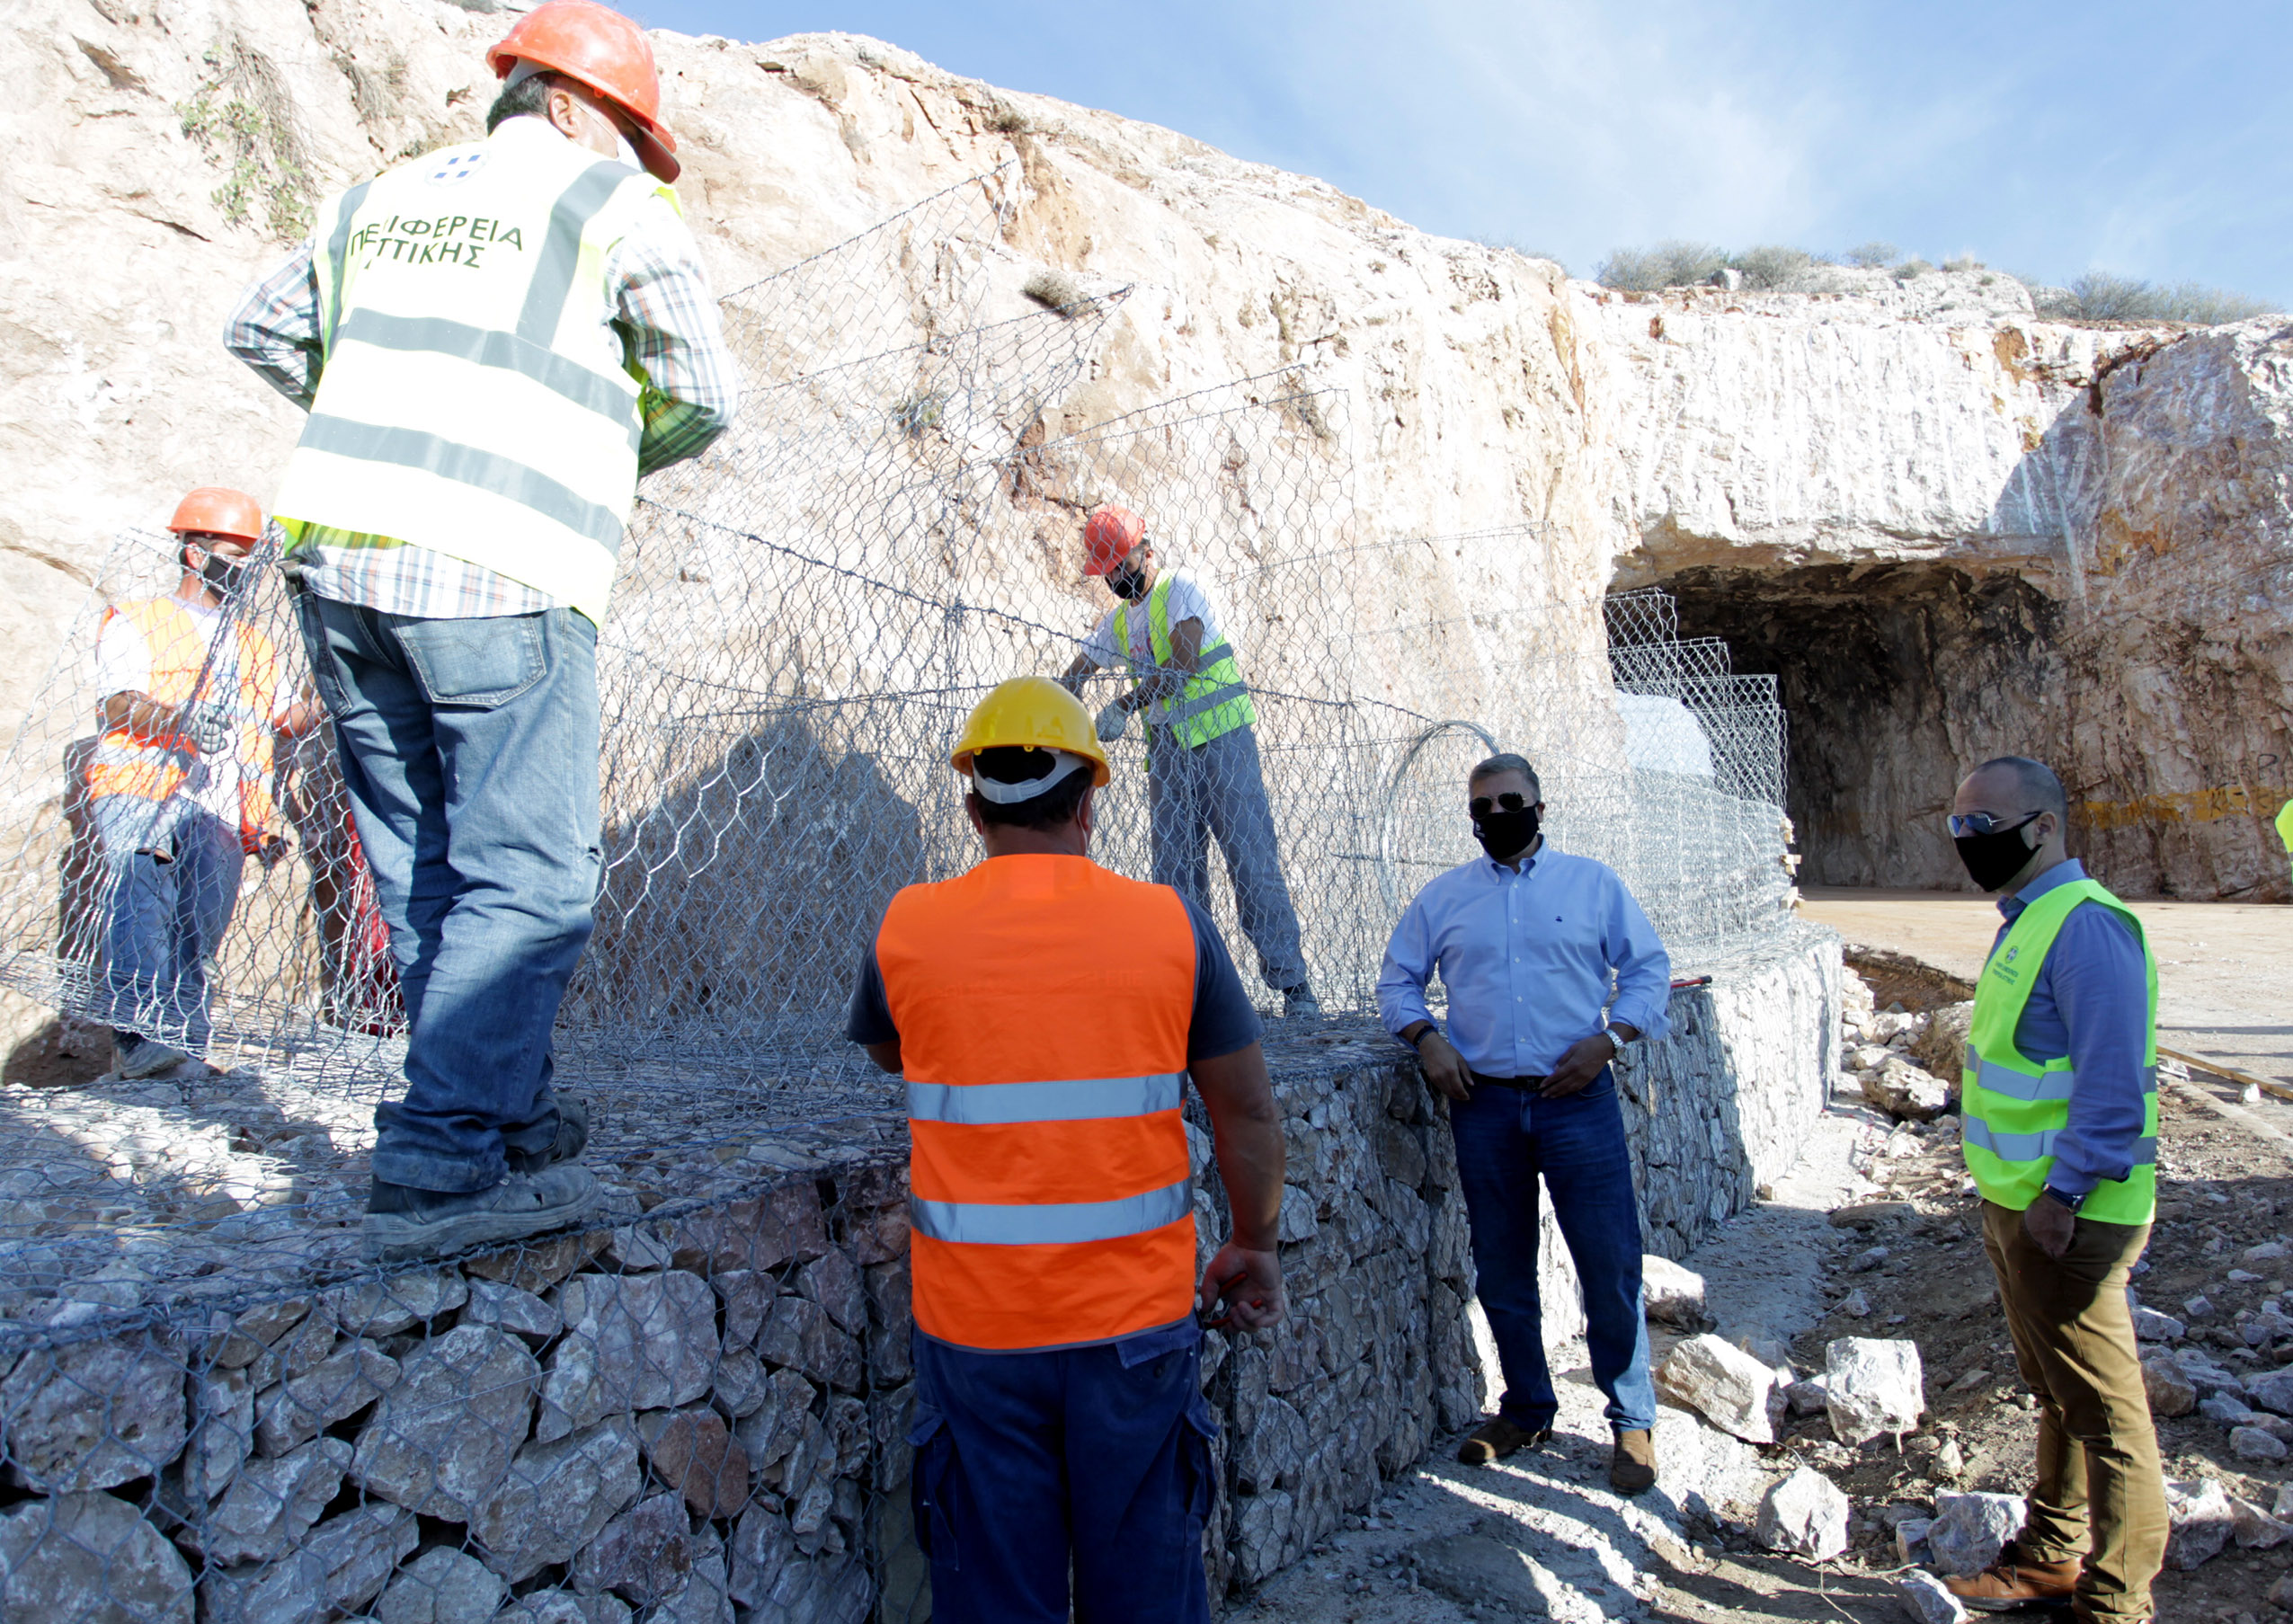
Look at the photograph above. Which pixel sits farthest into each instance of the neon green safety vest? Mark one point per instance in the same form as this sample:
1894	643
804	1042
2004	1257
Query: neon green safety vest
472	401
2285	827
2012	1106
1215	700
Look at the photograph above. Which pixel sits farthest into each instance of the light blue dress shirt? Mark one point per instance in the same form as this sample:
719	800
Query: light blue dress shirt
1529	958
2091	1003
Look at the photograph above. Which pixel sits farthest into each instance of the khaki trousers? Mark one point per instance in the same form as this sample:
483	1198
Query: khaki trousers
2100	1490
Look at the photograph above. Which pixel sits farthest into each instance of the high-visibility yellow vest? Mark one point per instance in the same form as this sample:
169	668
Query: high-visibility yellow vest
2285	827
2012	1106
183	669
473	400
1213	701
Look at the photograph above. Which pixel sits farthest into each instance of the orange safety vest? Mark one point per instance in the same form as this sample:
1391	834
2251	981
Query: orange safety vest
128	763
1042	1005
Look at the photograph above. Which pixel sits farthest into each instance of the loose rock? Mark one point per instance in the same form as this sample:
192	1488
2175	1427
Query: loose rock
2171	1391
1804	1515
2200	1521
1672	1294
1926	1599
2252	1443
1723	1384
1969	1528
2255	1529
1872	1386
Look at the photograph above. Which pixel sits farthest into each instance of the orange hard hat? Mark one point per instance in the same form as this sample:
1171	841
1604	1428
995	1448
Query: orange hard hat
218	510
1108	537
603	50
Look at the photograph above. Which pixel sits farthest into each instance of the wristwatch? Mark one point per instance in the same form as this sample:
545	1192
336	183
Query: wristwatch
2072	1202
1418	1042
1616	1039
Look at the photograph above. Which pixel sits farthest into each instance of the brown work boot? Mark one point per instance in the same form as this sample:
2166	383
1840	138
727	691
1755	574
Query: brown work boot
1497	1438
2013	1582
1631	1470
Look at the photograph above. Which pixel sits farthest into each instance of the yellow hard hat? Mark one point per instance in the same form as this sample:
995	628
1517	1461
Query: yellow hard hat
1031	711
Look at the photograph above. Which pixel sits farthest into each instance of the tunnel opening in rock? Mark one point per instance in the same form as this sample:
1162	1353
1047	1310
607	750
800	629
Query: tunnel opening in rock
1893	680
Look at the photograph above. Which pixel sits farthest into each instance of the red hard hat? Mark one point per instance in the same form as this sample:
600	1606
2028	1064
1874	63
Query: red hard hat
603	50
1108	537
218	510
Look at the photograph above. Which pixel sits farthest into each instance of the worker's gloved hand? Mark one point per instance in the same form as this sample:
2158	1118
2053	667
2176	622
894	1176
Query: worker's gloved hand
1112	721
208	727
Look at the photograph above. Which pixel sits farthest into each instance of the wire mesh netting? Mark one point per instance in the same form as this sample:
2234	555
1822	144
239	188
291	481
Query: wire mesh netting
803	620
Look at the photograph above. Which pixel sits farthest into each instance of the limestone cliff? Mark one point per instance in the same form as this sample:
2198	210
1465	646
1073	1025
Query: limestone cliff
1952	529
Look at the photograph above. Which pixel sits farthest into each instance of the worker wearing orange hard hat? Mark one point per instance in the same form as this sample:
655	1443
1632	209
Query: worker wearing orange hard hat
1203	777
179	783
494	341
1046	1014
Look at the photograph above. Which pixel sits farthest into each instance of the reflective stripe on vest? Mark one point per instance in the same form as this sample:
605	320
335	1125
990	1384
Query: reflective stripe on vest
2015	1108
1051	1199
1214	701
473	400
182	671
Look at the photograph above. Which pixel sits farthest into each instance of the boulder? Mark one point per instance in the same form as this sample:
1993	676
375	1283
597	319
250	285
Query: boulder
1969	1528
2255	1529
1872	1386
340	1567
89	1559
2199	1522
442	1586
2171	1391
1723	1384
556	1497
632	1342
1804	1515
93	1415
1672	1294
1926	1599
645	1554
1906	1092
270	1505
694	1453
443	1436
2257	1444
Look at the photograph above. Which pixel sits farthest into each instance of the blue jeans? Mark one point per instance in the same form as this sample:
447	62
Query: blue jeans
469	748
1217	790
1507	1137
171	879
1093	1459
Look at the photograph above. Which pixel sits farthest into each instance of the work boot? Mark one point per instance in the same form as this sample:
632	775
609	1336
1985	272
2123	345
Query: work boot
403	1223
573	1138
1631	1468
135	1056
1299	1002
2014	1582
1496	1438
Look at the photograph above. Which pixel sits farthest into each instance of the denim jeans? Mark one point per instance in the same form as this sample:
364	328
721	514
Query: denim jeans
1095	1461
171	879
1507	1137
469	748
1217	790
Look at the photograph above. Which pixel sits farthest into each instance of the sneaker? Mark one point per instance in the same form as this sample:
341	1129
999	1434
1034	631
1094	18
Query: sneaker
2014	1582
135	1056
573	1138
403	1223
1497	1438
1631	1470
1299	1002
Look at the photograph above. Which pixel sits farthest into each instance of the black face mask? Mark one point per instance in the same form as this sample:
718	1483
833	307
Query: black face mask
225	576
1996	857
1503	833
1129	585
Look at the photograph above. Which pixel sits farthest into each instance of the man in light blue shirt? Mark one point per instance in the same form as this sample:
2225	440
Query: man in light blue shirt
1551	968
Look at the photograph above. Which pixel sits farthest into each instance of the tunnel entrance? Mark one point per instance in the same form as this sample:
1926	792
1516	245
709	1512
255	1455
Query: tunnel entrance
1893	681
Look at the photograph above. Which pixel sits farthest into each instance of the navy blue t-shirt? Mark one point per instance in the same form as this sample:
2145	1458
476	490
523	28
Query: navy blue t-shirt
1223	1021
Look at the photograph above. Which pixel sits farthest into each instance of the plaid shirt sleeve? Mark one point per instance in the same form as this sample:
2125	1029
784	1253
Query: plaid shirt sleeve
275	328
668	319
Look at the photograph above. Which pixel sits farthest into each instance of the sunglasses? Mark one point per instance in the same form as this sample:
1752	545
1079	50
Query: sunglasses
1963	824
1480	806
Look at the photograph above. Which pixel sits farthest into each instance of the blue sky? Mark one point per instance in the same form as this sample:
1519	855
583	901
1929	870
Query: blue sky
2047	139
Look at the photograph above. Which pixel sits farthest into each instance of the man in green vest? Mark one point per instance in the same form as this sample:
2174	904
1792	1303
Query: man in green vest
493	342
1203	779
2059	1119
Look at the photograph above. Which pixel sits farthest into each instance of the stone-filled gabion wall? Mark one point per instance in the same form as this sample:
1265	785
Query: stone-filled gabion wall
699	1415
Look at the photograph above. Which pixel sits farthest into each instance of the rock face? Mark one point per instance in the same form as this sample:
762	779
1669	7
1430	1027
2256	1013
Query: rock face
1913	498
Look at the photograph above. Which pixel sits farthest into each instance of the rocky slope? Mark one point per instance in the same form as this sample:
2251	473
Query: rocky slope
1950	528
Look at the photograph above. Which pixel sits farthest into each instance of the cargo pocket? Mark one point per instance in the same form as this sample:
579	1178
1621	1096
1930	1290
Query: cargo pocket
1200	1466
930	1481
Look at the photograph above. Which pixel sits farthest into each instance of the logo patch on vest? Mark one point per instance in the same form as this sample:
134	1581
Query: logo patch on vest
458	167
